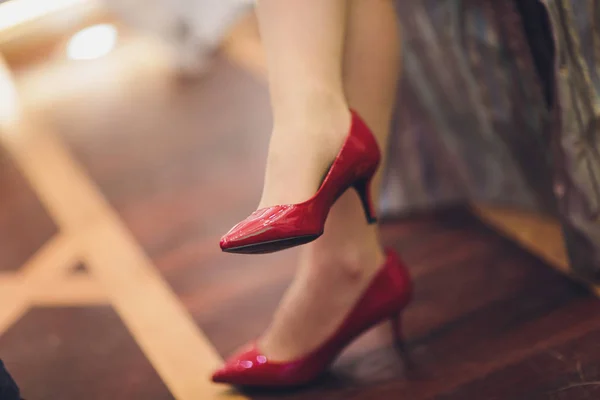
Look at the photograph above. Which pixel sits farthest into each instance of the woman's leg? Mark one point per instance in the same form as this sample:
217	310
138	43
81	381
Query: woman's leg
335	269
304	44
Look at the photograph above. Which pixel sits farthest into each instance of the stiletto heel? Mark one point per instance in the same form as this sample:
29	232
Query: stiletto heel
399	342
387	295
363	188
396	321
279	227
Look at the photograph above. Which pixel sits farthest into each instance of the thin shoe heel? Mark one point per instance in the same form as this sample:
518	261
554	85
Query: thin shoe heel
399	342
363	188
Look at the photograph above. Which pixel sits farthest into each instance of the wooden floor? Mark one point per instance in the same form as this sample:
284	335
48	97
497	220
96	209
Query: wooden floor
112	285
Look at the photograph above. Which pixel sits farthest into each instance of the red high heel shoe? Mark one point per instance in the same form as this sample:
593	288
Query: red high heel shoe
279	227
385	298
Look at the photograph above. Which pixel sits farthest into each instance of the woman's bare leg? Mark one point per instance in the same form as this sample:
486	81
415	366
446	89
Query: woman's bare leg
304	44
334	270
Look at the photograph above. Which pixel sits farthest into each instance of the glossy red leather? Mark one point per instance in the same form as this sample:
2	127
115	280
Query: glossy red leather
283	226
385	298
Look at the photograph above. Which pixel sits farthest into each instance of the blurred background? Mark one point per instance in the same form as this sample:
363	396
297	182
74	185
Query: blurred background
44	40
133	133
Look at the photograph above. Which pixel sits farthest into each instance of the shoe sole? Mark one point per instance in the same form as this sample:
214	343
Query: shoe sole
272	246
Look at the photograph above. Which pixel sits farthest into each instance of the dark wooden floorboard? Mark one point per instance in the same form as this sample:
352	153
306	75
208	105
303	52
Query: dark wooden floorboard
181	164
24	224
78	353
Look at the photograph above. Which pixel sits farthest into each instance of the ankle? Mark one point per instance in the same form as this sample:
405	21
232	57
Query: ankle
316	112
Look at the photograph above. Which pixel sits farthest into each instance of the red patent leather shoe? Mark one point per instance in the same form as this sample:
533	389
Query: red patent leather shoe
385	298
280	227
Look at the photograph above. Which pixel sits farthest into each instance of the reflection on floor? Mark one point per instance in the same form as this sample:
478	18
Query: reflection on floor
112	284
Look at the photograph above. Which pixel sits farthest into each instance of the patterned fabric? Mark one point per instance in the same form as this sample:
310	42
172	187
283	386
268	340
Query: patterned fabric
576	132
499	102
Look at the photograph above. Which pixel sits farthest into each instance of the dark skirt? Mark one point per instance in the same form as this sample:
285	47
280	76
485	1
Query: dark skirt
8	387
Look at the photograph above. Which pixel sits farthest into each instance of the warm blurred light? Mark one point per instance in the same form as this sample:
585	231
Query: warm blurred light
93	42
16	12
9	108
